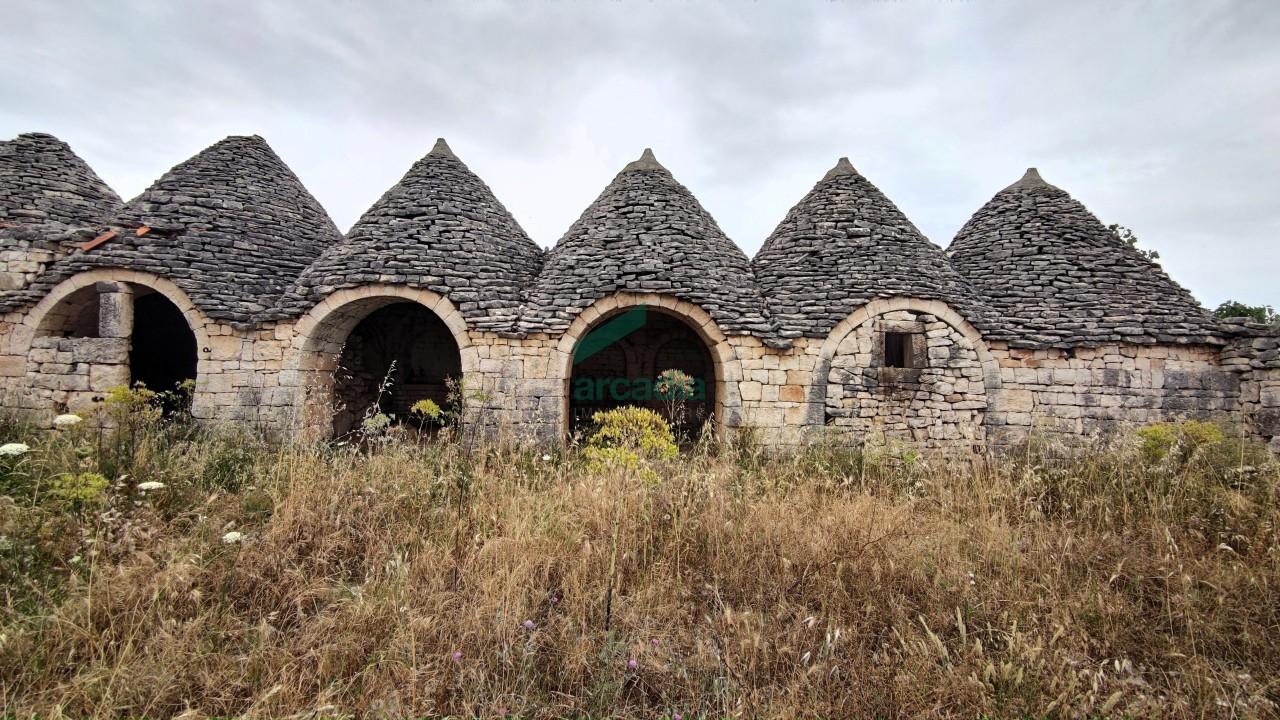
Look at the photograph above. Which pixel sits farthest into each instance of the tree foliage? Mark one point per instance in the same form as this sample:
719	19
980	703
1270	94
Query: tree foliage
1258	313
1128	237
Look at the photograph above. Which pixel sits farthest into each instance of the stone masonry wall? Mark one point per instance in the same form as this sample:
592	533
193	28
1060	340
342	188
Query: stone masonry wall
267	378
1094	391
67	374
1264	413
938	401
1256	356
23	259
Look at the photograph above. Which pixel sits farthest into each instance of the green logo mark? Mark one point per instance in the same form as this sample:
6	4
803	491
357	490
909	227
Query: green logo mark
610	333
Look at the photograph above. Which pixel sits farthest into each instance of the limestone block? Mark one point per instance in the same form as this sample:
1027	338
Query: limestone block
1269	396
766	417
74	382
12	366
1013	401
104	377
791	393
224	347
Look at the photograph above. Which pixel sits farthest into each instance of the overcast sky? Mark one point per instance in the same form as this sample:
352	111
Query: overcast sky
1162	116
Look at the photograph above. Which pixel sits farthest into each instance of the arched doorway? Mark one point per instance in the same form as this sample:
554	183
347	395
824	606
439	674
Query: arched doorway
162	349
393	357
624	359
115	328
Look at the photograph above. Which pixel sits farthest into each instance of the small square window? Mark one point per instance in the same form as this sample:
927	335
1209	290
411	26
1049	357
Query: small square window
897	350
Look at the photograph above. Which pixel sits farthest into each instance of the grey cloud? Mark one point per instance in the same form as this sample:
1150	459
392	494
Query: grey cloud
1162	117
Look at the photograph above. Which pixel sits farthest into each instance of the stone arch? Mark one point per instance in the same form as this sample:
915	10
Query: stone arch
926	386
322	333
724	363
82	338
76	315
53	305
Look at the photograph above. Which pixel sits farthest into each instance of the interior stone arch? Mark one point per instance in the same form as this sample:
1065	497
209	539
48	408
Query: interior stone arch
345	345
690	322
111	328
628	369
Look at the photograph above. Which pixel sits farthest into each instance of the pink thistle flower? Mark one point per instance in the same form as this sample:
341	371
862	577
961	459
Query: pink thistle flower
457	656
632	664
527	625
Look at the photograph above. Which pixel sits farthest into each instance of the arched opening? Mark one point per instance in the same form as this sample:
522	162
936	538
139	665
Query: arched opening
627	358
93	334
905	372
162	352
75	316
393	357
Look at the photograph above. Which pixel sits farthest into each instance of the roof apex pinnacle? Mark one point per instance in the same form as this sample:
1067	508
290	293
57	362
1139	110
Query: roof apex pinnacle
442	149
1030	179
647	161
842	167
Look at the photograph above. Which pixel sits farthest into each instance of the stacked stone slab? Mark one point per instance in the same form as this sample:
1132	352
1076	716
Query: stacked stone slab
1254	353
441	229
646	233
1060	278
42	181
845	244
233	227
49	200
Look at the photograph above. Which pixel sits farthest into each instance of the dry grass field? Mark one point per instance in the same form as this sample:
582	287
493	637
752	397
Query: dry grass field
1138	578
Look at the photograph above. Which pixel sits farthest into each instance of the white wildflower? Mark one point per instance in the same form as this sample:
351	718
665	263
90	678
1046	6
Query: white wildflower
14	449
150	485
546	458
232	538
66	421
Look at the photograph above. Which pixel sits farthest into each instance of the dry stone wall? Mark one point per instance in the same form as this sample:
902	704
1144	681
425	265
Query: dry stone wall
26	254
961	393
1255	355
1094	391
937	400
69	374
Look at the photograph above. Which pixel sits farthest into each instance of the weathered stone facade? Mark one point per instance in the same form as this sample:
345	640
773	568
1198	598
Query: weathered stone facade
935	397
848	323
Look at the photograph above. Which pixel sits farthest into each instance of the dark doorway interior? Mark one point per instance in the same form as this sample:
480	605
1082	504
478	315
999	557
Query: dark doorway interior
163	352
394	357
627	358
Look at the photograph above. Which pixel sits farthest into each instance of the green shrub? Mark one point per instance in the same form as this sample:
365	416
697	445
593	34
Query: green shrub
78	491
629	438
426	410
1179	439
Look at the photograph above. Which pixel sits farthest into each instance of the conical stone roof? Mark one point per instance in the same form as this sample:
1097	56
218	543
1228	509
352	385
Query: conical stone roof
845	244
1061	278
42	182
232	226
440	228
646	233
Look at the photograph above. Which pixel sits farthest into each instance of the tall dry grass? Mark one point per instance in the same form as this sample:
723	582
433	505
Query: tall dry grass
422	580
